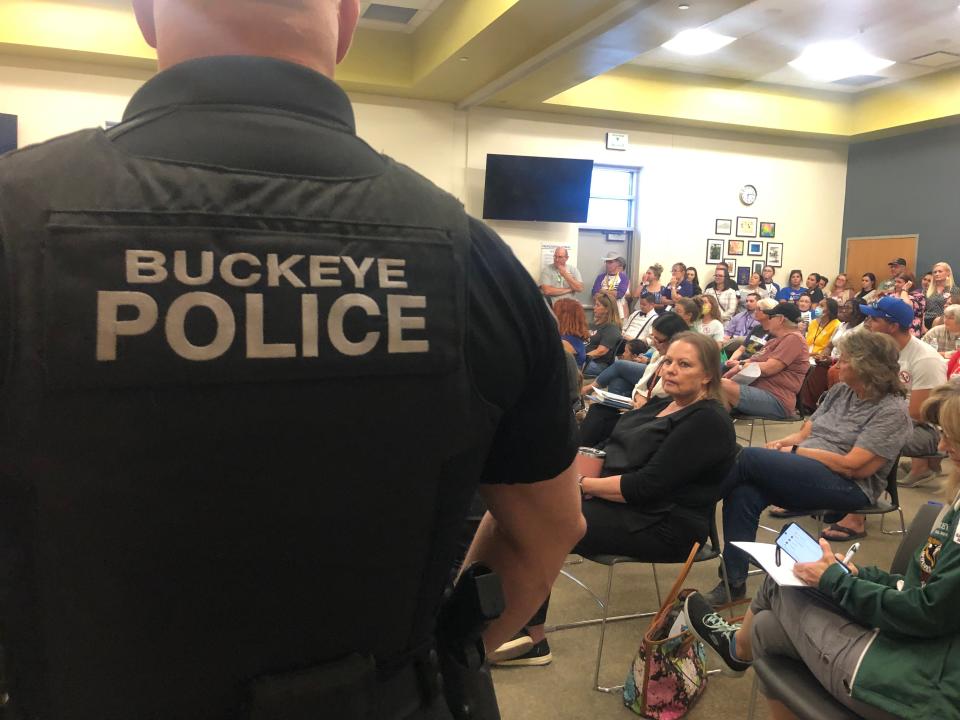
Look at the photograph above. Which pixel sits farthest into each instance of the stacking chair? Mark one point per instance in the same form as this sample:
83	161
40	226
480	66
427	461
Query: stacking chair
709	551
750	421
789	681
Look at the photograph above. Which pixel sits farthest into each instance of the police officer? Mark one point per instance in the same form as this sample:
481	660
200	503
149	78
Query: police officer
253	373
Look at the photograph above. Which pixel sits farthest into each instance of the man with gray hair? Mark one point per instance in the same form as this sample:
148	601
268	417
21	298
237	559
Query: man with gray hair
223	493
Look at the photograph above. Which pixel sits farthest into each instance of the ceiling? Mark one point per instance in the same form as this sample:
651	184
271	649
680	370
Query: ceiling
771	33
598	58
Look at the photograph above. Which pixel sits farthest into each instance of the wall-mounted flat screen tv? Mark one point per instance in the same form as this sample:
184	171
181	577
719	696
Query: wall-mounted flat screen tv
520	187
8	133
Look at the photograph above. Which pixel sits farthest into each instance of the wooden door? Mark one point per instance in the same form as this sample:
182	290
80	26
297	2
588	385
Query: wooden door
871	254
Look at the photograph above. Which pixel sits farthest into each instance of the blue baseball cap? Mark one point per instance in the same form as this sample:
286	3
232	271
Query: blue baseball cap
892	309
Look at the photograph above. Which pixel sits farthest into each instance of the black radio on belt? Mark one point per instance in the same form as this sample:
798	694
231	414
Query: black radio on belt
468	608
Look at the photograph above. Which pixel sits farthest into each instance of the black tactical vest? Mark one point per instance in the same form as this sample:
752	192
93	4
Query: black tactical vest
236	423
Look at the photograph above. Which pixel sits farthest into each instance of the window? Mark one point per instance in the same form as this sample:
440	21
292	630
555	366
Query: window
613	195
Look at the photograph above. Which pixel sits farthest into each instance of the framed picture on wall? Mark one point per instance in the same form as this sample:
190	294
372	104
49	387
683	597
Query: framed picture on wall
734	247
755	247
757	267
768	229
731	264
723	227
714	251
743	275
775	254
746	227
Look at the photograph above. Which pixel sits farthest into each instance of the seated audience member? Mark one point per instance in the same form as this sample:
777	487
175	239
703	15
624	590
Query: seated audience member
926	281
755	286
783	365
768	274
822	281
885	646
840	290
839	459
614	281
636	351
639	323
945	338
602	346
740	325
694	279
654	497
689	310
954	299
903	289
600	419
574	331
939	292
821	330
851	320
805	304
730	281
678	286
721	291
560	279
896	266
758	337
921	370
791	292
868	292
651	286
709	322
813	288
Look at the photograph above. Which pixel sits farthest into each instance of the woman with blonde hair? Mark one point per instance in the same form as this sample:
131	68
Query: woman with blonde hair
938	292
839	291
651	287
602	345
883	645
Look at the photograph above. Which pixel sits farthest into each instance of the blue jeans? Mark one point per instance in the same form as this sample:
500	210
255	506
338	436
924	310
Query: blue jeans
754	401
621	377
762	477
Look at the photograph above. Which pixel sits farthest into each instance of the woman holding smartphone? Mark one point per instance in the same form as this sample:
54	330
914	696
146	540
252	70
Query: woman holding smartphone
883	645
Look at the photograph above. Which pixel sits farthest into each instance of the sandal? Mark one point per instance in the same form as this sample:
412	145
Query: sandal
844	534
779	512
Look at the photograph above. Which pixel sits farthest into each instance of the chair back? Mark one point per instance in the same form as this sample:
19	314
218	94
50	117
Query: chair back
892	488
919	531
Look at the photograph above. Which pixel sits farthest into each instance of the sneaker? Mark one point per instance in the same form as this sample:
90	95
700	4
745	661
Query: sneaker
715	632
718	596
539	654
517	645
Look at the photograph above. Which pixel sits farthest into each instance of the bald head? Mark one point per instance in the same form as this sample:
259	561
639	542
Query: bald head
314	33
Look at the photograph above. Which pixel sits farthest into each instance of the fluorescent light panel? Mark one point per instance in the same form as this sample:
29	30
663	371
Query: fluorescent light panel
836	59
697	42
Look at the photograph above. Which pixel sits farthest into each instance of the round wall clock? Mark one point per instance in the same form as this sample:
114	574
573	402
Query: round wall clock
748	194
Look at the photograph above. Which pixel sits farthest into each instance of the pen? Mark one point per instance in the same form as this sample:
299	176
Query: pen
851	552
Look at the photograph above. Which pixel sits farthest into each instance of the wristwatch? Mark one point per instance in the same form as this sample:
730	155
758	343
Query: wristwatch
794	449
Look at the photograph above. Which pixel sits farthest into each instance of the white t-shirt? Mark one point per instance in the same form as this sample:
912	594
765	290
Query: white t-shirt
840	332
712	329
921	367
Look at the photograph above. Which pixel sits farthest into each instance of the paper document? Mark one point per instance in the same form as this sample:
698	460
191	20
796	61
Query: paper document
608	398
748	374
765	554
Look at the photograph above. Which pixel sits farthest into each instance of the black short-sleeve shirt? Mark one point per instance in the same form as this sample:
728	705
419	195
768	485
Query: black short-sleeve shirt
267	115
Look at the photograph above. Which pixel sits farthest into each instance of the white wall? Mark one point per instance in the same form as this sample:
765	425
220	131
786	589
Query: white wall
689	177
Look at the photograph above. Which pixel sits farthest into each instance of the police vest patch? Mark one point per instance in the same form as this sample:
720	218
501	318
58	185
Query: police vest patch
160	304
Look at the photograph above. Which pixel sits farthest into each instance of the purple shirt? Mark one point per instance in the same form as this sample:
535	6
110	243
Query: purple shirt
619	283
740	324
684	289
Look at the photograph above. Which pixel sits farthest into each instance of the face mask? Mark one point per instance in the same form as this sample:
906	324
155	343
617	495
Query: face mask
817	311
706	309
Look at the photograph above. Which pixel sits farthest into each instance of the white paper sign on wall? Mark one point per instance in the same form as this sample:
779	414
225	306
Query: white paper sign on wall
616	141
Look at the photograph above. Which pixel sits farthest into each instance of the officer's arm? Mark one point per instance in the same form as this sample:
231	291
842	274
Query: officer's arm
524	538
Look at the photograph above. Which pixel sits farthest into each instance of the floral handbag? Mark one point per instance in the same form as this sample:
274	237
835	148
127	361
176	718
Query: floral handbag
669	671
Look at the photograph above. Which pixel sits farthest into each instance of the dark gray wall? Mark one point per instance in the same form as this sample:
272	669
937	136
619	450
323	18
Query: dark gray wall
908	184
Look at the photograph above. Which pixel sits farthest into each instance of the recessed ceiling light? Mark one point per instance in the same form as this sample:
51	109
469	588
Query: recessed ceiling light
697	42
836	59
463	58
683	6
